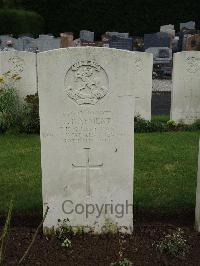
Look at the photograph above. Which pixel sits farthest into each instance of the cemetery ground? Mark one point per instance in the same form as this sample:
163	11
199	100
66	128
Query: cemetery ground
164	200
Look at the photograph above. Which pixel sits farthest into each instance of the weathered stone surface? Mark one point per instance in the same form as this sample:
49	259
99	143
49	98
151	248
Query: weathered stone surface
186	83
87	127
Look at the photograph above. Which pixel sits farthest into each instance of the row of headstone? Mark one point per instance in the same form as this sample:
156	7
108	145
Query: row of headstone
186	82
24	64
87	137
41	44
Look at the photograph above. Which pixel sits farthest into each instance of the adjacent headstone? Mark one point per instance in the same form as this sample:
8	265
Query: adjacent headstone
47	42
175	44
197	210
66	39
117	34
24	65
143	84
193	43
26	44
186	87
121	43
87	137
86	35
190	25
160	39
165	28
168	29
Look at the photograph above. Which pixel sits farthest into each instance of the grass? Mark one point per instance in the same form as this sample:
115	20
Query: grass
165	171
20	172
160	118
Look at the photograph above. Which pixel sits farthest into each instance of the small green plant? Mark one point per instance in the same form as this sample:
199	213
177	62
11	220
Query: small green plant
171	123
63	232
30	121
9	101
156	125
109	227
123	262
66	243
173	244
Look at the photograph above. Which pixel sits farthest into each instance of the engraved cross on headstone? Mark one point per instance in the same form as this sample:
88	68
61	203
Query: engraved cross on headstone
87	168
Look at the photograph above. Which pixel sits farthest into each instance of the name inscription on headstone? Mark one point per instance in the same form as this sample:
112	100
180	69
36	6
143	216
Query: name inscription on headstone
87	126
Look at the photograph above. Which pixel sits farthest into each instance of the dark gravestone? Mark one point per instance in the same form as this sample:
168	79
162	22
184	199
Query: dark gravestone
160	39
161	103
163	53
121	43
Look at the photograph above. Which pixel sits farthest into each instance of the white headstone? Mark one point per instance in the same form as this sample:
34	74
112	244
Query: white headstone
143	84
87	129
165	28
24	65
185	104
197	210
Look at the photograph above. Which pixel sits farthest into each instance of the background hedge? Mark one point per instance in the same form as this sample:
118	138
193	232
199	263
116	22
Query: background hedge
134	16
17	21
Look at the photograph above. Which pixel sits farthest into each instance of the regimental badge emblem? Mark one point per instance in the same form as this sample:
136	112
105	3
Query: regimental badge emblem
192	64
86	82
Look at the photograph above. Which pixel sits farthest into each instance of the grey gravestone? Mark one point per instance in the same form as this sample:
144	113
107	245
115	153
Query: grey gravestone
47	42
121	43
117	34
26	44
86	35
160	39
190	25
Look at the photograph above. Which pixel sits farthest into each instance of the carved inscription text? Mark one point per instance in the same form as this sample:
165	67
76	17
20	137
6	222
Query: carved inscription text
88	126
